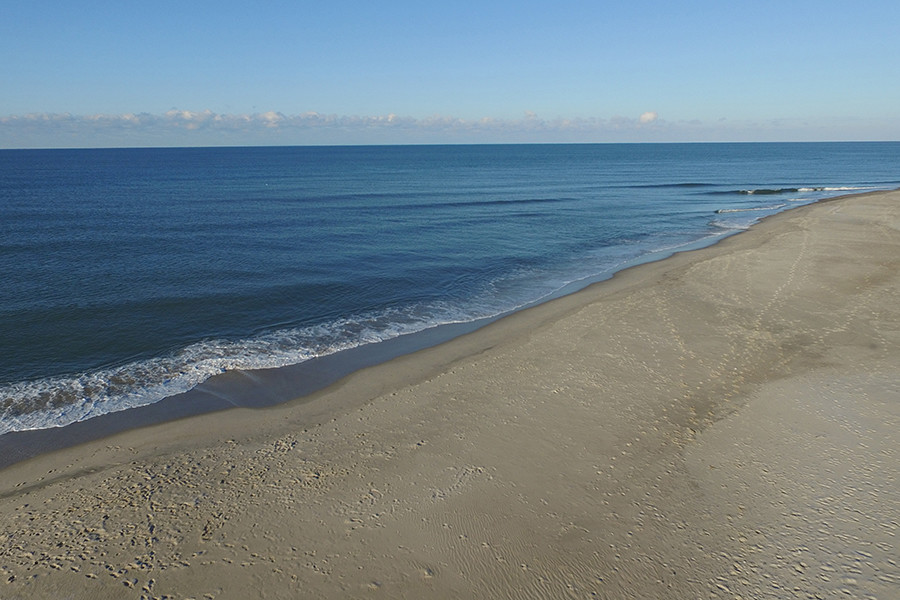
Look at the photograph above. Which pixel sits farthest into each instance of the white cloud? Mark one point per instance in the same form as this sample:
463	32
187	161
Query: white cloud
206	128
271	118
276	127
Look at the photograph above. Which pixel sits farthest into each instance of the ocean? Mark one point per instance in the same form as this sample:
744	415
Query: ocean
133	275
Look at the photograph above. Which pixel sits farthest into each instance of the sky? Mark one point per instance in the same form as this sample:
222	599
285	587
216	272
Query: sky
93	73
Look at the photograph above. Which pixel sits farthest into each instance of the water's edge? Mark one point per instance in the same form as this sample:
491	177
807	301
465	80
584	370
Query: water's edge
269	387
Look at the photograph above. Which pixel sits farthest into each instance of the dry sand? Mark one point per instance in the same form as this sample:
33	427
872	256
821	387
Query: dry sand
719	424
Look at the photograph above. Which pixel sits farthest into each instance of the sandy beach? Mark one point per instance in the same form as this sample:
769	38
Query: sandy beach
720	424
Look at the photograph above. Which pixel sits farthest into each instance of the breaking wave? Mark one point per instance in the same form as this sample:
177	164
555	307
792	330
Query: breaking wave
792	190
752	209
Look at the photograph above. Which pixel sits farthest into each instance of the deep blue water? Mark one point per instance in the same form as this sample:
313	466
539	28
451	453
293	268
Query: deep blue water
130	275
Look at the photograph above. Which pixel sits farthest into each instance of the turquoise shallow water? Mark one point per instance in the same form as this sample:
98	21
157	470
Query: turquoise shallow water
133	275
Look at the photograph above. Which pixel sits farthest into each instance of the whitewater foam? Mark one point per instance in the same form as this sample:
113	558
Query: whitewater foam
794	190
63	400
751	209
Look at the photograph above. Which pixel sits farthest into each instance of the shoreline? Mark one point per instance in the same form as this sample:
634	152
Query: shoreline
721	422
263	388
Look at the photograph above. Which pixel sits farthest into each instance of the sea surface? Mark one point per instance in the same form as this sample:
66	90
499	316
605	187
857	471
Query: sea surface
132	275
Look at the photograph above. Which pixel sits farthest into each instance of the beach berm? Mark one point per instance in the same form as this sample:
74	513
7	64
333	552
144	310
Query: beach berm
719	424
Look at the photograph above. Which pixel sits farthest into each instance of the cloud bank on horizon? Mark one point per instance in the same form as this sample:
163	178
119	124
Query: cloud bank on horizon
272	127
208	128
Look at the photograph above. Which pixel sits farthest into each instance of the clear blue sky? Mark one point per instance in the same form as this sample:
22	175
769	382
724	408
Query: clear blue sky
120	73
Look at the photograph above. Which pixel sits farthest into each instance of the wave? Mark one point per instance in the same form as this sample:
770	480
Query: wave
728	226
792	190
756	208
760	191
61	400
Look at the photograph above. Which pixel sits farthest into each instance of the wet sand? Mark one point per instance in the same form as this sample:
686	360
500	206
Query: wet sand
722	423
